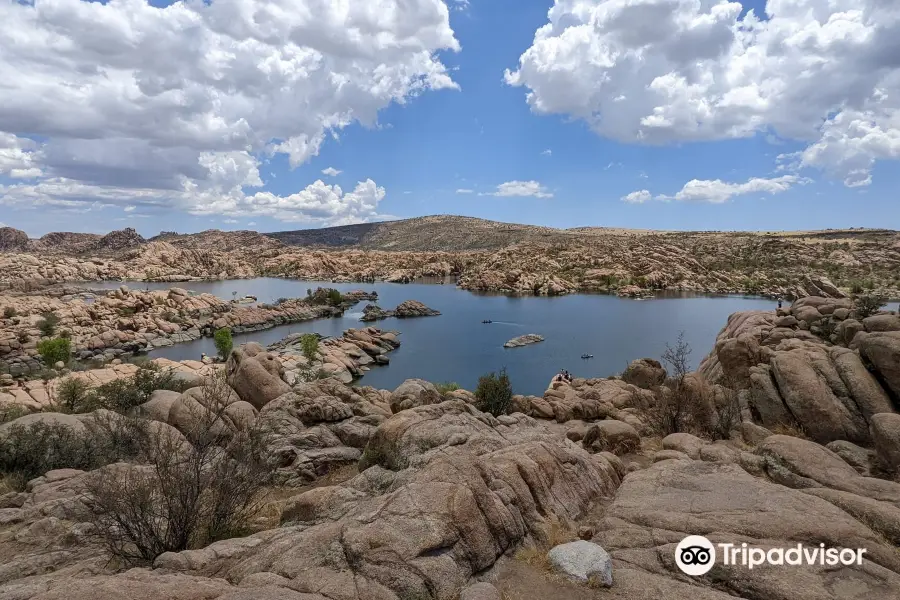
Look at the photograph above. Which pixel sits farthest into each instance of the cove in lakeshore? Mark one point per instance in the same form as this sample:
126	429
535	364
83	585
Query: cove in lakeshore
457	346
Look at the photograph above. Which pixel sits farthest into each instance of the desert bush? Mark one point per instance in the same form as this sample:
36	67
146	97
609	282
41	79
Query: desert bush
727	415
447	387
9	312
55	350
867	305
11	412
309	344
494	393
827	328
310	374
48	323
224	342
29	451
73	396
679	407
188	495
120	395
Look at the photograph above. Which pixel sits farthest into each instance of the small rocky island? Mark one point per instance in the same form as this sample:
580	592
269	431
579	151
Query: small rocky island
408	309
524	340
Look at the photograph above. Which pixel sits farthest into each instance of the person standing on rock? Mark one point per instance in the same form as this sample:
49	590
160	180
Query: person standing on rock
779	303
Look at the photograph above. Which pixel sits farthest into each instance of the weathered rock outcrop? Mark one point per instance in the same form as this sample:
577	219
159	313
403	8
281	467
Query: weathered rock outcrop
798	373
344	358
256	375
320	426
524	340
645	373
655	508
414	392
407	309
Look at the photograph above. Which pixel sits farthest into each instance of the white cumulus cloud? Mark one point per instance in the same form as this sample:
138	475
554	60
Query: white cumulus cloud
638	197
134	101
331	172
226	192
716	191
464	191
822	72
521	189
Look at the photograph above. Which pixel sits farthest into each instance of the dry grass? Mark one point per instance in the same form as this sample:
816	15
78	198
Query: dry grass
651	444
554	533
791	430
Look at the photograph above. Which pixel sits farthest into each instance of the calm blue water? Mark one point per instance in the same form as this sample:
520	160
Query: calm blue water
456	346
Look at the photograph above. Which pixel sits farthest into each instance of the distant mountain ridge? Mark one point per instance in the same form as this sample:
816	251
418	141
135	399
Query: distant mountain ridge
434	233
14	240
437	233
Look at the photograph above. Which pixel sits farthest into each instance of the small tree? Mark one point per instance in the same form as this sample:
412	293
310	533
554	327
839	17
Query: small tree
48	324
309	344
55	350
680	407
867	305
73	395
224	343
121	395
494	393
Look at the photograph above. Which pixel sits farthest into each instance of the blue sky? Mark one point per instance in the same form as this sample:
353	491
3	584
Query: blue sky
477	137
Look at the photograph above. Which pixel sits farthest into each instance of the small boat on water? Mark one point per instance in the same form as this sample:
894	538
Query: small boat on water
487	321
587	356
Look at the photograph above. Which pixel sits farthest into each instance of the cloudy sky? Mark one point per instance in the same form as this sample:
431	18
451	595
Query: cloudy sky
286	114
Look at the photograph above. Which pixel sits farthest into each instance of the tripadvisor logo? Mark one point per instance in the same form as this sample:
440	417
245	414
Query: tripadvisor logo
695	555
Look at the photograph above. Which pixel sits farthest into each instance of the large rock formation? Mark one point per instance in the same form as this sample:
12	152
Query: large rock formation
256	375
800	368
407	309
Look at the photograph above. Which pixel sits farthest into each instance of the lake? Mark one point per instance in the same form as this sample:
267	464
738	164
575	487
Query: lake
456	346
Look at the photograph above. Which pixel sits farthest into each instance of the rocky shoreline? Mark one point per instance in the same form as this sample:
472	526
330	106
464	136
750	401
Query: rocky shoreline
124	322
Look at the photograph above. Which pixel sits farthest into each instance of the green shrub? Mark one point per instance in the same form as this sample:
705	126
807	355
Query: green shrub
48	324
494	393
224	343
9	312
447	387
30	451
309	344
867	305
73	396
329	296
55	350
121	395
11	412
